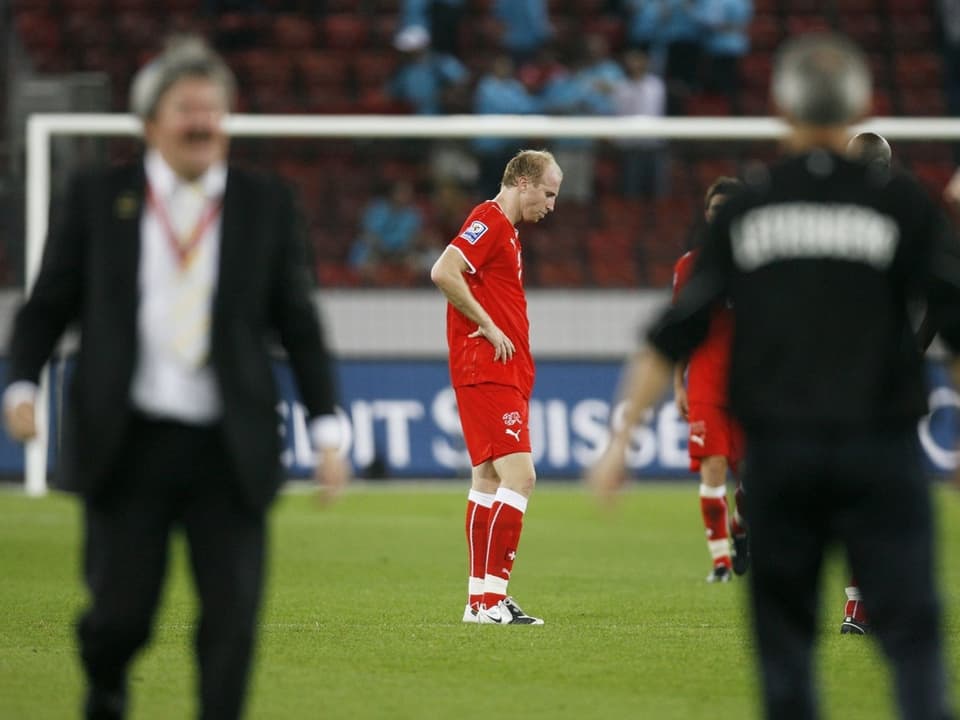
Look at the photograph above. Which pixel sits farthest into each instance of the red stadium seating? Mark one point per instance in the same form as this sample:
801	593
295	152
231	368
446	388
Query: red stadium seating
918	70
766	32
294	32
345	31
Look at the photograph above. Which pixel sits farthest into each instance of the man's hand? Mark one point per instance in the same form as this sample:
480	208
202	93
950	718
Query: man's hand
609	474
683	404
331	473
20	421
502	345
952	192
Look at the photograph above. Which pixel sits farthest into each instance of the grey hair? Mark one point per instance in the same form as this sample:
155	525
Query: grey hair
821	79
183	56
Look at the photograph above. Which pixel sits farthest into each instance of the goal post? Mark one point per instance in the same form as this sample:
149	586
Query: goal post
42	128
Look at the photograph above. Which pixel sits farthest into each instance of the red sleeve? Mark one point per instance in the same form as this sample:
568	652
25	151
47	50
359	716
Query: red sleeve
681	273
478	239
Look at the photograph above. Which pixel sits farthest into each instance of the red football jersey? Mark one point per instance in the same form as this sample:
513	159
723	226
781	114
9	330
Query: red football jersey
709	367
490	244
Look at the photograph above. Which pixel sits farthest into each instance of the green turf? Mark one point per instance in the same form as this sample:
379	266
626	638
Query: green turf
363	616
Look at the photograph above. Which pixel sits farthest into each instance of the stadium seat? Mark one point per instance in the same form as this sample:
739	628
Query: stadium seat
343	6
134	29
880	68
802	24
882	105
345	31
755	70
913	32
766	7
853	7
608	275
559	273
866	30
374	69
38	31
934	174
90	7
929	102
336	274
766	32
709	105
144	6
909	7
294	32
919	69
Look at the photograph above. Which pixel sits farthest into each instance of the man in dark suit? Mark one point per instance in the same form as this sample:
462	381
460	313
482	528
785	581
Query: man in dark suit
180	272
822	258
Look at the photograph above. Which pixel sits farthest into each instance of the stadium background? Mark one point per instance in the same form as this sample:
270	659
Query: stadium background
596	270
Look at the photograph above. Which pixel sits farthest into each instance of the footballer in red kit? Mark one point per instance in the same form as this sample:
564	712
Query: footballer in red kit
715	441
488	334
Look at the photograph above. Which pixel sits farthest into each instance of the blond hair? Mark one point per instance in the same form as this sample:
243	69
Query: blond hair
531	164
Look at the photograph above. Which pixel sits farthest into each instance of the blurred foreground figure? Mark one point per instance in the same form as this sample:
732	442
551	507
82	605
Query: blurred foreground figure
820	258
178	270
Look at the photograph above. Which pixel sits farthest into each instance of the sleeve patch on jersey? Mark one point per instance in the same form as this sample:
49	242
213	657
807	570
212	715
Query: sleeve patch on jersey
474	232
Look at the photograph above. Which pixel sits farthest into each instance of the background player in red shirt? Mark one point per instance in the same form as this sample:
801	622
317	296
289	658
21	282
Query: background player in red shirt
715	442
491	370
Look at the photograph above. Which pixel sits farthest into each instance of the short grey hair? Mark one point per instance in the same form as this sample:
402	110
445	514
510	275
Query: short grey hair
821	79
182	56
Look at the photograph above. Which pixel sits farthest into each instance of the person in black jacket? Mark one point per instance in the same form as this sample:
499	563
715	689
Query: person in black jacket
821	256
179	271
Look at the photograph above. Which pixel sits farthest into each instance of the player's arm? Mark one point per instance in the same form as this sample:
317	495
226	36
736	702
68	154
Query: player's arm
680	388
447	274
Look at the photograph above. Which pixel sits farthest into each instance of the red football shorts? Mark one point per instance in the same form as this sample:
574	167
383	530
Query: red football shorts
713	432
494	419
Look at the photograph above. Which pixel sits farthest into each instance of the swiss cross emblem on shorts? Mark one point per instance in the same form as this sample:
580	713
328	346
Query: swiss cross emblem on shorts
698	433
511	418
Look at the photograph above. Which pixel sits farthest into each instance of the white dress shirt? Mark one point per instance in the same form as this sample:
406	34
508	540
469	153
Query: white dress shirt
169	381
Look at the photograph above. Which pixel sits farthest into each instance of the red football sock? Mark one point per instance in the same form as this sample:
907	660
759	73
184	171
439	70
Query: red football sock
854	607
477	526
713	507
506	523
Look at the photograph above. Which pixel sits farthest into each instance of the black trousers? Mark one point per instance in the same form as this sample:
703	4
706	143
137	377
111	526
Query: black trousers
866	490
171	476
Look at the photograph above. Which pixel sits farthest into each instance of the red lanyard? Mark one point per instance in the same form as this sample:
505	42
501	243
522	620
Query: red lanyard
184	248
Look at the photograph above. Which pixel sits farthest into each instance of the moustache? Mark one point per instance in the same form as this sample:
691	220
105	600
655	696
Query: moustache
198	136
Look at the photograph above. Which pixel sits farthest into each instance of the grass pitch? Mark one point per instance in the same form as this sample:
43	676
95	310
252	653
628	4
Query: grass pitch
362	618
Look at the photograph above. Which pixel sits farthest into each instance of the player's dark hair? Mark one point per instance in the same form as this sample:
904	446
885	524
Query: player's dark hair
870	148
723	185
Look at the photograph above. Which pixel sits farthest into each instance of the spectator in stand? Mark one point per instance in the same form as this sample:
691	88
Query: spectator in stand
427	78
499	92
526	27
726	41
389	231
645	20
641	94
682	33
588	91
442	17
544	67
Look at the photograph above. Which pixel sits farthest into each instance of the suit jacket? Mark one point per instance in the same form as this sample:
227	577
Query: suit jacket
89	275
